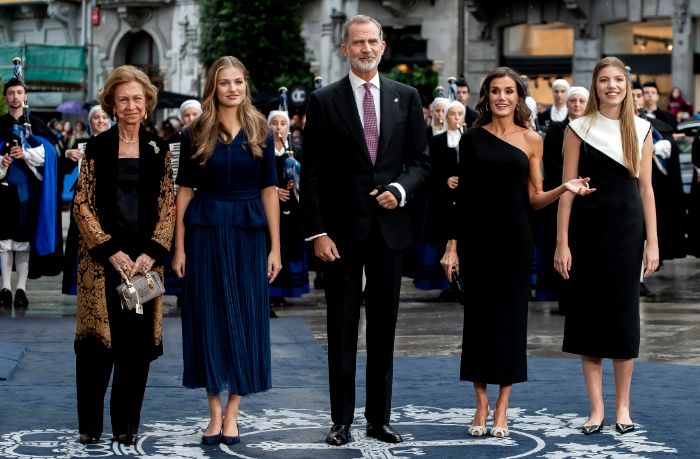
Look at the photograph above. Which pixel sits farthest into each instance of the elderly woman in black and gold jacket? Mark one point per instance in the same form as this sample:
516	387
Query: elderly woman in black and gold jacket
124	209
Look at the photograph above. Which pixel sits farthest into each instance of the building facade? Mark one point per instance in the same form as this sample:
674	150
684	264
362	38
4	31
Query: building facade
545	39
158	36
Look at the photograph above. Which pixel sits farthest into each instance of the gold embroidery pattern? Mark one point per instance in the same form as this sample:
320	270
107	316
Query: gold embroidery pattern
163	233
84	210
92	317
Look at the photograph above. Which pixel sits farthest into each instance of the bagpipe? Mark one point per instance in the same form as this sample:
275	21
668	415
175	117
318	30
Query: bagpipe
19	75
25	177
292	167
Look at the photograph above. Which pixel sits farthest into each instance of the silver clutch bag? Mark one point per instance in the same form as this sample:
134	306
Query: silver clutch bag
140	289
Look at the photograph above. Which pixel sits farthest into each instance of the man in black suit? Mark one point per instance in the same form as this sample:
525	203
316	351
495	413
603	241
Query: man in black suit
463	92
651	99
365	154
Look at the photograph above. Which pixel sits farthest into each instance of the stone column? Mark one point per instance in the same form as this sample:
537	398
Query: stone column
683	49
481	53
587	52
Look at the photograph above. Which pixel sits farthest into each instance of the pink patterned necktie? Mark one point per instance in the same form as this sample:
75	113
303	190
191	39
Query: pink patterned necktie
370	116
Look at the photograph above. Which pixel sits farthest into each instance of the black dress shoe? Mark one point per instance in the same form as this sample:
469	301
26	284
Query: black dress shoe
624	428
86	439
338	435
384	433
5	298
21	301
592	428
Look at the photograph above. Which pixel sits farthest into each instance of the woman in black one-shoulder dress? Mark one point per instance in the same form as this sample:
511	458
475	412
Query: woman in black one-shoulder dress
499	179
601	238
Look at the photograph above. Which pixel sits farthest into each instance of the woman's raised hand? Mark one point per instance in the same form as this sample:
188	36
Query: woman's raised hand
579	186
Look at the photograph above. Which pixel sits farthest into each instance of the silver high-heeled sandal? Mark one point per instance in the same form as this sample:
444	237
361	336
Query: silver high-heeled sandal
479	431
499	432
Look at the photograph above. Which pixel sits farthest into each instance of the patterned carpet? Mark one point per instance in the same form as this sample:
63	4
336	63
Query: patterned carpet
431	407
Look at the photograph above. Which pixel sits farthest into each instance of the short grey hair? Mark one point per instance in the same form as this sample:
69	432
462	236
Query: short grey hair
360	19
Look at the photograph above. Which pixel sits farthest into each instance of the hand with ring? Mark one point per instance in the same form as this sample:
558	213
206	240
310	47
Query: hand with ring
122	263
143	264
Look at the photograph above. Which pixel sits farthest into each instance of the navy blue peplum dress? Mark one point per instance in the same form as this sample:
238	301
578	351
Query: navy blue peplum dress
225	315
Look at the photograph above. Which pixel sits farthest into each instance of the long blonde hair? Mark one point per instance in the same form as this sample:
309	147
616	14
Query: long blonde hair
208	128
628	131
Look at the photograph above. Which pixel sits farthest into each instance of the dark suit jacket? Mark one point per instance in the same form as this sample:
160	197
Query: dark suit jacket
470	116
442	199
552	157
337	175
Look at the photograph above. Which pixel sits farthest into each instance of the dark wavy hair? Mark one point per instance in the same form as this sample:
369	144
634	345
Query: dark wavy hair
522	111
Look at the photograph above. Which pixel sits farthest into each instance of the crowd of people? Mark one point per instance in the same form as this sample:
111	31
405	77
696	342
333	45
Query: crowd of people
235	208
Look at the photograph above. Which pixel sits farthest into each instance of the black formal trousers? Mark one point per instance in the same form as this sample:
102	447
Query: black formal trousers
127	362
128	387
343	284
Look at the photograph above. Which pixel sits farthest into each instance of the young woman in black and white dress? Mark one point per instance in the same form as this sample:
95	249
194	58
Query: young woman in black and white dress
601	238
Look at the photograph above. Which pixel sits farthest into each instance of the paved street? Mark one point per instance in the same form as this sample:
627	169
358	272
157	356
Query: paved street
431	407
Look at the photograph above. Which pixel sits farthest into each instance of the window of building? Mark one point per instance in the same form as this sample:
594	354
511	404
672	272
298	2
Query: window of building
543	52
648	37
554	39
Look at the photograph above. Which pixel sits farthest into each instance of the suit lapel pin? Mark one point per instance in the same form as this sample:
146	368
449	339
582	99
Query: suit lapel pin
396	100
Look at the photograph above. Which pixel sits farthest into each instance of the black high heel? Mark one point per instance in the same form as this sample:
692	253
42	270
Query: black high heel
86	439
126	439
624	428
592	428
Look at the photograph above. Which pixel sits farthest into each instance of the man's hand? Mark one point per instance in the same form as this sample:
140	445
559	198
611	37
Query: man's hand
325	249
387	199
16	152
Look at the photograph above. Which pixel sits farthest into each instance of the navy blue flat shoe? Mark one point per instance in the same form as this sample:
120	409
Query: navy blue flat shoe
230	440
212	439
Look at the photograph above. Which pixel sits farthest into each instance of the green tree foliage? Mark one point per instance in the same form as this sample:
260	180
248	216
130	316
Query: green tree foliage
424	79
263	34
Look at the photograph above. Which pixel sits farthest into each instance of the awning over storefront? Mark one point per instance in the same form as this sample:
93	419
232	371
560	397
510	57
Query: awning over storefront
46	67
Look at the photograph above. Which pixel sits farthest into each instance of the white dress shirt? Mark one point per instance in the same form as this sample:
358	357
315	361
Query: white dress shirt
358	89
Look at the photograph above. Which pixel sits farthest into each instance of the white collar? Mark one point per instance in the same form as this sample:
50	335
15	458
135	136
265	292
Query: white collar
356	81
281	151
558	114
453	138
603	134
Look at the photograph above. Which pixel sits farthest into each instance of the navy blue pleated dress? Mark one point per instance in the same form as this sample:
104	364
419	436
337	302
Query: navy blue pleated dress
225	315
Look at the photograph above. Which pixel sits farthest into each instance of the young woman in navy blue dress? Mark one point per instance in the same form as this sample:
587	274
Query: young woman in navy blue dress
227	205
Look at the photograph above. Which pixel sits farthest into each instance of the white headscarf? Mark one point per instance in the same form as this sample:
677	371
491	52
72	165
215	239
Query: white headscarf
561	82
577	90
92	111
190	103
274	113
436	102
455	103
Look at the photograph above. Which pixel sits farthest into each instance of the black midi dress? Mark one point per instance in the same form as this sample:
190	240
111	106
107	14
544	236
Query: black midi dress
495	245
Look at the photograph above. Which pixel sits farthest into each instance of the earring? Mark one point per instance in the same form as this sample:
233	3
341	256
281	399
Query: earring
487	107
114	116
517	107
145	117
